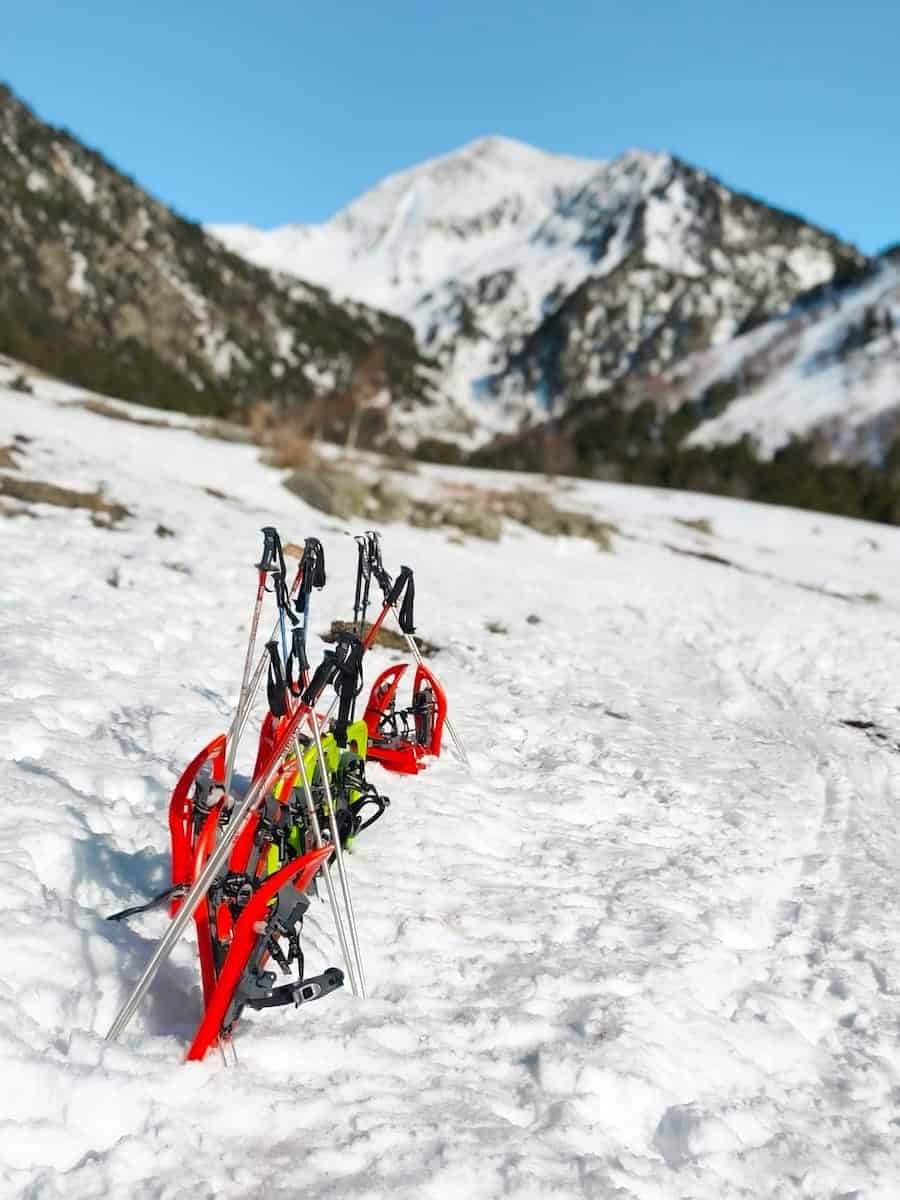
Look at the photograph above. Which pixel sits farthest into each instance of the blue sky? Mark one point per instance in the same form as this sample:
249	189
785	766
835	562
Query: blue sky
274	112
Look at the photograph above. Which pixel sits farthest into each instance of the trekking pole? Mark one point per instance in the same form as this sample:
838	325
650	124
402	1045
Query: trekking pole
313	576
238	724
403	586
339	855
326	869
363	581
343	668
265	565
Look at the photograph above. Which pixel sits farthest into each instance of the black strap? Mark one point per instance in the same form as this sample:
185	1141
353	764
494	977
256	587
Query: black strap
179	889
348	682
312	575
302	992
363	580
405	586
276	685
271	549
341	667
297	664
380	803
313	563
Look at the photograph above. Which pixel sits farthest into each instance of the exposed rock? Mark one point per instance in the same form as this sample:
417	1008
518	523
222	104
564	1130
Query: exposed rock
389	638
538	512
35	491
337	493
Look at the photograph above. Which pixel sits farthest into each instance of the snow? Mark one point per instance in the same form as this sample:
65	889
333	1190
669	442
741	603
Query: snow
810	265
83	182
667	228
809	386
78	278
645	948
423	238
284	344
420	228
477	247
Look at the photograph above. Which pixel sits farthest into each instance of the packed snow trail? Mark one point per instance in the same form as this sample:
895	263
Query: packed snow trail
646	947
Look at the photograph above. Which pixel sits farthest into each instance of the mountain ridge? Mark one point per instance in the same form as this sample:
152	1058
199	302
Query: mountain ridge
639	260
630	318
102	284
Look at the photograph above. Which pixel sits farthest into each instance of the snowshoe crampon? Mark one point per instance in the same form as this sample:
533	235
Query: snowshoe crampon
401	739
266	914
254	911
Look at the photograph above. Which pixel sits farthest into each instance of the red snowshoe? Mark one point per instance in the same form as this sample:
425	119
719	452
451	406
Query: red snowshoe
401	739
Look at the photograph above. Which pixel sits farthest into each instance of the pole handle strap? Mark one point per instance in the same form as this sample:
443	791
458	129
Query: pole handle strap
276	685
348	682
341	667
404	585
297	664
271	550
313	563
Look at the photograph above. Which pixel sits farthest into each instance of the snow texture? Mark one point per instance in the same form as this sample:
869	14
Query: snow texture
810	385
645	948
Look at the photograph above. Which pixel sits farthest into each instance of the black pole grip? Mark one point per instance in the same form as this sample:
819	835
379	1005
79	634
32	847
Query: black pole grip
377	566
313	563
275	685
297	664
271	547
323	676
405	585
399	584
348	682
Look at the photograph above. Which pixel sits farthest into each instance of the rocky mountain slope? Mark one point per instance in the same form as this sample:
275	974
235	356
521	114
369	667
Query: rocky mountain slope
630	319
802	410
103	285
539	281
826	371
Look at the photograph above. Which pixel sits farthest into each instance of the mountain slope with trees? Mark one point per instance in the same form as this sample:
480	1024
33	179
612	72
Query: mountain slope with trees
105	286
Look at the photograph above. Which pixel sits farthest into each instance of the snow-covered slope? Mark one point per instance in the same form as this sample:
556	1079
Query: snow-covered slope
645	948
830	372
538	279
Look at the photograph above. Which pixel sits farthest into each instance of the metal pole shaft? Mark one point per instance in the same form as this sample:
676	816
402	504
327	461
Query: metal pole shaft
245	703
236	732
329	882
338	853
245	677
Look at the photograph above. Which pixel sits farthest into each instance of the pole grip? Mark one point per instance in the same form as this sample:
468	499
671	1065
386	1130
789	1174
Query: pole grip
271	547
405	585
276	686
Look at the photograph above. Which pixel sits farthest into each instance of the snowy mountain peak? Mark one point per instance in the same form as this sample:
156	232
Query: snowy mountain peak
466	182
539	279
506	154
